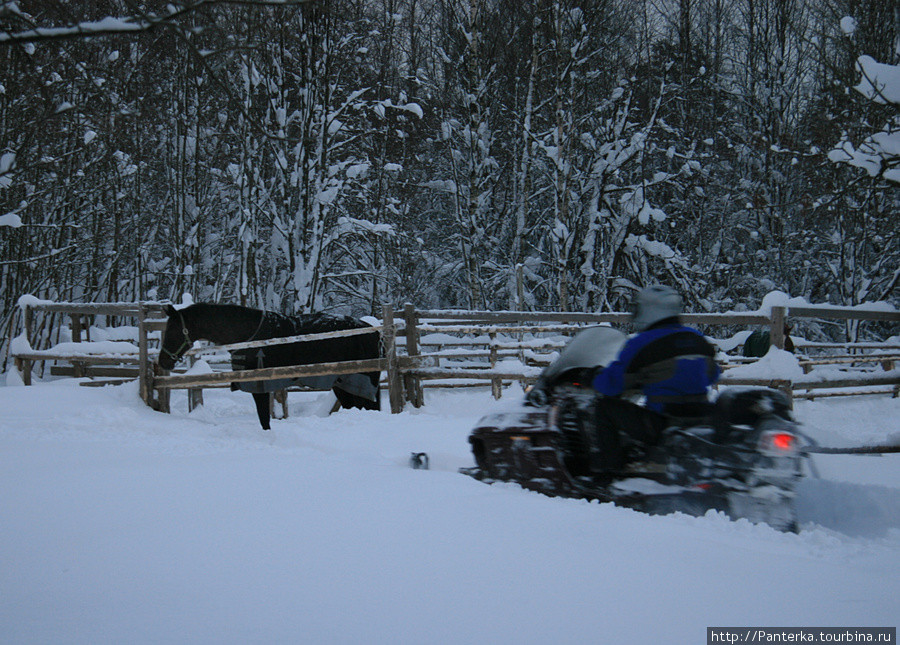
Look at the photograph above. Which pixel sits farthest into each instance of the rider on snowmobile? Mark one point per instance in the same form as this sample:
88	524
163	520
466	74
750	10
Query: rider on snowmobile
672	365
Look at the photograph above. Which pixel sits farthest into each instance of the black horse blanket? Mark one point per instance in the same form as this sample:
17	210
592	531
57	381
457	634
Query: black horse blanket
275	325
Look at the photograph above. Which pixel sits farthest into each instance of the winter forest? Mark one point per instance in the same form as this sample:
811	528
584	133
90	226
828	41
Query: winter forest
335	155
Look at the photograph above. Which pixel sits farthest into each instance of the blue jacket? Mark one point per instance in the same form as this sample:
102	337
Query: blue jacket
673	365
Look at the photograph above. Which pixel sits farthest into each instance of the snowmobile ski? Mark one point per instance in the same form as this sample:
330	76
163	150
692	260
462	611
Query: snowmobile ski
855	450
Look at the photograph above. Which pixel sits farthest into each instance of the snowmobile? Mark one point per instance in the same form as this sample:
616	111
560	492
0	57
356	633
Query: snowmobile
744	458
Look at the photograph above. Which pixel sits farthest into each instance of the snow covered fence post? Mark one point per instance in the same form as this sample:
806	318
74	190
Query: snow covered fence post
146	366
496	382
23	364
412	383
195	395
776	333
145	378
28	322
389	338
77	325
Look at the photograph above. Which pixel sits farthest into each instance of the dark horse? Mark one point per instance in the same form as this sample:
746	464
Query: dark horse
228	324
757	344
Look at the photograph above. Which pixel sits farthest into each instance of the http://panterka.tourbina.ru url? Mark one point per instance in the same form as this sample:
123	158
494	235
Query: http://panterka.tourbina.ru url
800	635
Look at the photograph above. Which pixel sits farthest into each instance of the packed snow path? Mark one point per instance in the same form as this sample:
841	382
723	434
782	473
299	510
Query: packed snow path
122	525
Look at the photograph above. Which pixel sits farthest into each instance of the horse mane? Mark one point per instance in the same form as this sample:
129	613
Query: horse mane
224	308
208	309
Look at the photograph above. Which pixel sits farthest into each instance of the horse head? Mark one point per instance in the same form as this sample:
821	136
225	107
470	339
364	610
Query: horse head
176	339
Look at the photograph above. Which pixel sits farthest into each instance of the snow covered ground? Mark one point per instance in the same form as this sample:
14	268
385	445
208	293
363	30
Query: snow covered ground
122	525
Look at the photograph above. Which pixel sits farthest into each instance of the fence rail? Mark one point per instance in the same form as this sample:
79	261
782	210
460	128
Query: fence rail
269	373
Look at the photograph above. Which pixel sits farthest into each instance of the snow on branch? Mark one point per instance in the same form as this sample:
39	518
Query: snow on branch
880	82
879	153
11	219
110	26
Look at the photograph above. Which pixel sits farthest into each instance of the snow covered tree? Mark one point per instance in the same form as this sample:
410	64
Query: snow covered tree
467	132
337	154
863	247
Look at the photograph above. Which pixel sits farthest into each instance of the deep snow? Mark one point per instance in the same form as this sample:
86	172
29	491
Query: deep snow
122	525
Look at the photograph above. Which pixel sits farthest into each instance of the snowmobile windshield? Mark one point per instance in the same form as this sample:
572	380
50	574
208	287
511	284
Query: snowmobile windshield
593	347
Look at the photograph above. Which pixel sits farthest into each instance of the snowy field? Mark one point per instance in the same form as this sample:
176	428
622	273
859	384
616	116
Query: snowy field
120	525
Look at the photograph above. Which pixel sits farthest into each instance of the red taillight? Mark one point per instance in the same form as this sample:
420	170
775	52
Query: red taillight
783	440
778	442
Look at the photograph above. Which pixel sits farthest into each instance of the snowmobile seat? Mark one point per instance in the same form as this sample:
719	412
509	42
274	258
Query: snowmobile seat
737	411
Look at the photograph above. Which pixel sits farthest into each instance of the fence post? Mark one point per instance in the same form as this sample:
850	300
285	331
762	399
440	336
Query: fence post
496	383
787	388
23	364
413	384
195	395
163	396
389	336
144	376
776	332
147	369
520	287
78	367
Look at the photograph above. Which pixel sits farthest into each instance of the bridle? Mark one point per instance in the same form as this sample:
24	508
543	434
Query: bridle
186	344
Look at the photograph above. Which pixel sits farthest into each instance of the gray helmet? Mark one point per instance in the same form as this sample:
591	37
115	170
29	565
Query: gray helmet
654	304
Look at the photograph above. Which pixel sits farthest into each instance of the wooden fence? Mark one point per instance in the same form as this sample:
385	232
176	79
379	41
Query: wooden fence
443	348
90	361
490	336
155	384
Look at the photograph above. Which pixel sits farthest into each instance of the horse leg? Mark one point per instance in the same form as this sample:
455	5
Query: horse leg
281	398
344	399
375	378
348	400
337	404
262	401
